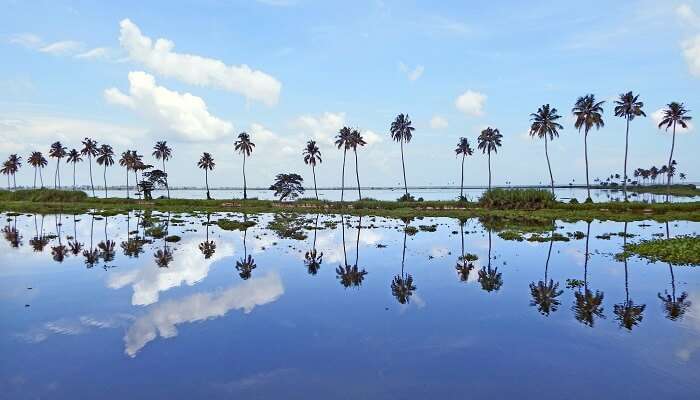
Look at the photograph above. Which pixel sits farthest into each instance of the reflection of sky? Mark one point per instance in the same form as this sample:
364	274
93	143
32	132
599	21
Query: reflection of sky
320	332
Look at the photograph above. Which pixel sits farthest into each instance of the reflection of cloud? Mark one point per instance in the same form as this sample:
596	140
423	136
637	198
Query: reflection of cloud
691	321
163	318
189	266
66	326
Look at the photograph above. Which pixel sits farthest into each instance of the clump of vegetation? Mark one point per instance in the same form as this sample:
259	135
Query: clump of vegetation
172	238
289	226
573	283
410	230
428	228
578	235
231	225
554	237
573	201
156	231
516	223
43	195
516	198
406	197
288	186
511	235
681	250
469	257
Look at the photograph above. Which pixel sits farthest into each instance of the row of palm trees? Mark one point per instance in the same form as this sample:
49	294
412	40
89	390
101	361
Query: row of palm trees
588	113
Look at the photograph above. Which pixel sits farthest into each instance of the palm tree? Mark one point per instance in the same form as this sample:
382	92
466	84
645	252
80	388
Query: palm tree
589	114
105	157
356	139
90	150
544	124
628	107
38	161
312	258
106	247
674	114
59	252
489	141
127	161
312	156
402	131
674	306
7	170
402	286
244	146
57	151
207	247
489	278
588	305
74	245
161	151
627	313
343	140
14	162
545	293
206	162
349	275
464	149
465	262
74	158
247	264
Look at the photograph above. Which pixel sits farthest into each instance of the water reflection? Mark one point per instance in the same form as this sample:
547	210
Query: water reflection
588	305
465	262
627	313
39	241
350	275
74	245
545	293
402	286
207	247
245	265
489	278
11	234
674	307
313	258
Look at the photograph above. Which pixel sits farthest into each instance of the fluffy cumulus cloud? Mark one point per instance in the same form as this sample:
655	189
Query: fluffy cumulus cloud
411	74
182	113
322	128
687	15
658	115
158	56
691	53
438	122
163	319
471	103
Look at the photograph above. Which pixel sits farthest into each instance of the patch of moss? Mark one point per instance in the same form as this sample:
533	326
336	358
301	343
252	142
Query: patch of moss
681	250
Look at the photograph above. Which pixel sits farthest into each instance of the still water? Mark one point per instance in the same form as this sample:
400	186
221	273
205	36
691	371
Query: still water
473	194
318	307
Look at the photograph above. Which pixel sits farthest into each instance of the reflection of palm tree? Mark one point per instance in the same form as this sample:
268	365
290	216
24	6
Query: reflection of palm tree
59	252
91	255
11	233
247	264
544	293
164	256
313	259
74	245
106	247
627	313
39	241
464	266
588	305
402	285
207	247
350	275
133	246
674	307
489	278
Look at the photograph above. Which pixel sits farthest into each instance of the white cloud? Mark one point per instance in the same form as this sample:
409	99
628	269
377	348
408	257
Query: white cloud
411	74
687	15
62	47
438	122
658	115
28	40
371	138
471	103
184	114
163	319
160	57
23	132
275	143
691	53
322	128
96	53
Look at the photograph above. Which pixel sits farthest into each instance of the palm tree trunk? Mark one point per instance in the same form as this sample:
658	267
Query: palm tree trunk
357	173
206	182
92	185
245	193
549	254
489	153
461	185
342	225
127	183
55	176
14	180
357	242
105	177
313	170
585	260
58	170
34	177
342	178
73	176
403	165
41	177
670	160
546	154
167	186
585	151
624	182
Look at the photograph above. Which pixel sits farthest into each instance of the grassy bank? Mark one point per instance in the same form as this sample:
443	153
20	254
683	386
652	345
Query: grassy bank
676	190
50	201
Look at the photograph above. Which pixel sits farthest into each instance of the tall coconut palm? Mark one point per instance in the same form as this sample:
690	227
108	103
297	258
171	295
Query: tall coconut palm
57	151
38	161
402	131
7	170
674	114
105	157
90	150
628	107
312	156
74	158
244	146
162	152
463	149
544	125
589	114
342	140
206	162
127	161
14	162
489	141
356	139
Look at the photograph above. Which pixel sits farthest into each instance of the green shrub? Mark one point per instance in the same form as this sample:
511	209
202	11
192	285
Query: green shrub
516	198
43	195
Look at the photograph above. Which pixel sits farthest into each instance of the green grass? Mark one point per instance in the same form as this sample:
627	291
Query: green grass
43	195
531	199
682	250
676	190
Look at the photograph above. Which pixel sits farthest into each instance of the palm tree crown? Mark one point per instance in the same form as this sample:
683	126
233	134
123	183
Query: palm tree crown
342	140
463	148
588	113
312	154
544	123
161	151
489	140
675	113
628	106
401	129
243	145
105	155
206	162
37	160
74	157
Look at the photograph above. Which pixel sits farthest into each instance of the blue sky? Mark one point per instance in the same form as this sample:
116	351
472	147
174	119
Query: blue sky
72	69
